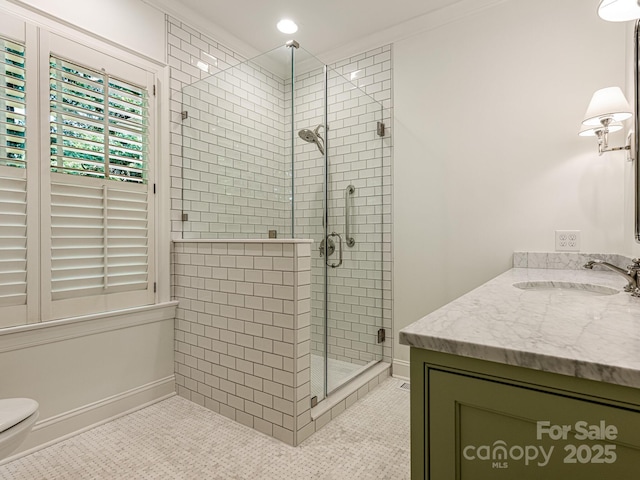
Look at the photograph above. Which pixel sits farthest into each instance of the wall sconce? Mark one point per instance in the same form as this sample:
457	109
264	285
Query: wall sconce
619	10
607	109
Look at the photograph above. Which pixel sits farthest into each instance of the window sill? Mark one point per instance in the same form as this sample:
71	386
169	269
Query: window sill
24	336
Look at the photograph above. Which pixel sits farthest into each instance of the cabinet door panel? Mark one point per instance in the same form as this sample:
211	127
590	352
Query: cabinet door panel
485	430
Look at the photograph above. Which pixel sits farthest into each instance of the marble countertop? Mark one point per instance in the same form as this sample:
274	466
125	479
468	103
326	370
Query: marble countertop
587	336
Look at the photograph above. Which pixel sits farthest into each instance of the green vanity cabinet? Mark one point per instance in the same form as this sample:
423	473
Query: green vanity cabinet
478	420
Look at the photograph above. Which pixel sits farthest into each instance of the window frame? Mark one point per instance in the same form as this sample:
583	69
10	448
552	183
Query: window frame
44	36
61	47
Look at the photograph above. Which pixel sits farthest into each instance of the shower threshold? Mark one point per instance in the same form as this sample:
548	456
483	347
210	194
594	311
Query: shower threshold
339	372
361	382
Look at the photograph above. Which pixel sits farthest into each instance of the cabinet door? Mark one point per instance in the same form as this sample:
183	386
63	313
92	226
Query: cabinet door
486	430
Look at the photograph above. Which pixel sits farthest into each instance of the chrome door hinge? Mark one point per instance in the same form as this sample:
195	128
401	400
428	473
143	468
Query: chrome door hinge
184	115
382	335
380	129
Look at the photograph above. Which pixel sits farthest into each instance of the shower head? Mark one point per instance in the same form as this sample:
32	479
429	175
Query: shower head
307	135
312	136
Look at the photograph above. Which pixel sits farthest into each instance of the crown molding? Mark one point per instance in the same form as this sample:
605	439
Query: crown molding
206	27
402	31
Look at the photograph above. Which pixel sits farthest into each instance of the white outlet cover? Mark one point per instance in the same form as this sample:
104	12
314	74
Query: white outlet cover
567	240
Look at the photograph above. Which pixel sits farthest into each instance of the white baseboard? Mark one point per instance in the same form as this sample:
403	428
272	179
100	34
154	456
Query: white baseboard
401	369
73	422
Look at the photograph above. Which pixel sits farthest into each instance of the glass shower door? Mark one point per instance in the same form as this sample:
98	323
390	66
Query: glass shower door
307	108
337	171
354	272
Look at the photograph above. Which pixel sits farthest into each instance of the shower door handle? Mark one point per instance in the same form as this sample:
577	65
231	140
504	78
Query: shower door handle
350	190
335	265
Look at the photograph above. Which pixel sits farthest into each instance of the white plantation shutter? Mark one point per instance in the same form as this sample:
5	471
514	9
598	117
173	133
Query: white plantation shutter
127	238
98	124
99	237
77	239
13	183
12	104
100	215
13	239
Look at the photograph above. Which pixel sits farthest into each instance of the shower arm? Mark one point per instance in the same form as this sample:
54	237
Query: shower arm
321	140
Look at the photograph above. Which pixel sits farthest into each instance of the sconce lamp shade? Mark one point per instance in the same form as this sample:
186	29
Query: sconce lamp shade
607	103
619	10
591	131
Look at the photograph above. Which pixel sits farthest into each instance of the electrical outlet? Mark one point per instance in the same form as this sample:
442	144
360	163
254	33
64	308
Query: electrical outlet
568	240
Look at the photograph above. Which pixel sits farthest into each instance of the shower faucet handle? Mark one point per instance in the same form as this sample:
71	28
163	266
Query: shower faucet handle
331	246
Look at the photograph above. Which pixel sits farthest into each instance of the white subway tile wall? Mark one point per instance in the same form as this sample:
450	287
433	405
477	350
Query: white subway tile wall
191	56
243	332
235	181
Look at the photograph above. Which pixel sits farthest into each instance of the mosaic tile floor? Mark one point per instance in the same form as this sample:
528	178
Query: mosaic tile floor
177	439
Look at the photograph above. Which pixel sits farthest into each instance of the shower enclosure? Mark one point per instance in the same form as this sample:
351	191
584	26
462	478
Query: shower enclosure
284	146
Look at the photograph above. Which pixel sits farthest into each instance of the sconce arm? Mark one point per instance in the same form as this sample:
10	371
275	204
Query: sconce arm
603	142
614	149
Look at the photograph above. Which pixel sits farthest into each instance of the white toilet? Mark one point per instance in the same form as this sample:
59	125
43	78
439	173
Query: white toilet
17	417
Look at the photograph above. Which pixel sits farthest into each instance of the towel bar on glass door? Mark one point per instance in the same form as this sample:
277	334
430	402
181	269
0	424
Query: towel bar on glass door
350	241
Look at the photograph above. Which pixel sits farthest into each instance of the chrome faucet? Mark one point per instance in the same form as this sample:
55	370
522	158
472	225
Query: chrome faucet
630	274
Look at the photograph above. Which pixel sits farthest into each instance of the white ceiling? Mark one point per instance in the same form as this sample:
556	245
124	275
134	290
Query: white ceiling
326	27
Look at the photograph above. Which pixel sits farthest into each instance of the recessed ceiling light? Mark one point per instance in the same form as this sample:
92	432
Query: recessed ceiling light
287	26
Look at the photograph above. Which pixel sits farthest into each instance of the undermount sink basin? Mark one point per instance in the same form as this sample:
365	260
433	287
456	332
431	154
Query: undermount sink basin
566	288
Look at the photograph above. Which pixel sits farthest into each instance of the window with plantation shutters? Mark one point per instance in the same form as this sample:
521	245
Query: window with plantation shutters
99	190
13	179
77	205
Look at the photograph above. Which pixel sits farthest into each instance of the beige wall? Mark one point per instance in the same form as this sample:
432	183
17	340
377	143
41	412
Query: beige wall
487	156
141	29
83	373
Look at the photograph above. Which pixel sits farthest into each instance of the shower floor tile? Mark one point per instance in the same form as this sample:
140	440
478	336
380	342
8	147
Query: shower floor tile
338	372
177	439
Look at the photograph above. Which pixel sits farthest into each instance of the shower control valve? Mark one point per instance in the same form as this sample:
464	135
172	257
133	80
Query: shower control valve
331	247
